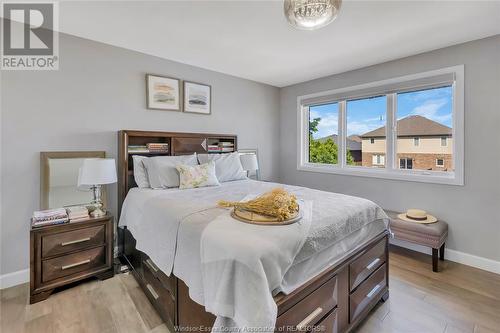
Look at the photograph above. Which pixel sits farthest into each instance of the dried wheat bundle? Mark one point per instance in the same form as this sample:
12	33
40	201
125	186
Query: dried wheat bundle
277	203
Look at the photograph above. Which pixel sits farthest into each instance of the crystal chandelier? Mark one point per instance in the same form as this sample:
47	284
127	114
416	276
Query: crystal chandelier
311	14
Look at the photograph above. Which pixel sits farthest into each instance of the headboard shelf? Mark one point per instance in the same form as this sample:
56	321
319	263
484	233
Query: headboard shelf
134	142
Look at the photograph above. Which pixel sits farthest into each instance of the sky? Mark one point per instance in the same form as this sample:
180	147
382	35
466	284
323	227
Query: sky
365	115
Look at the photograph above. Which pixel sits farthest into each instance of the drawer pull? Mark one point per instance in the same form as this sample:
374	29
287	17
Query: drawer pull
76	241
303	325
152	291
83	262
374	290
373	263
151	265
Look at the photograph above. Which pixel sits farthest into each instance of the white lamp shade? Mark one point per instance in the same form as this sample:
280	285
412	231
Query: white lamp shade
97	171
249	162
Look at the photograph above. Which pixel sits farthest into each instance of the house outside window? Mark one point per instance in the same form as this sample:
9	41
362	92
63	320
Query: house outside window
408	128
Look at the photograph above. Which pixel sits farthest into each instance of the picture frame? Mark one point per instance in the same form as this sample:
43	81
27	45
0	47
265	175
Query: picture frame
197	98
163	93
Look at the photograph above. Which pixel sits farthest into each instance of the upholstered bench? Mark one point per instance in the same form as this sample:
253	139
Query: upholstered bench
432	235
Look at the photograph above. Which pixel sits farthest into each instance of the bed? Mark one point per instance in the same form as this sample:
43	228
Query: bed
337	275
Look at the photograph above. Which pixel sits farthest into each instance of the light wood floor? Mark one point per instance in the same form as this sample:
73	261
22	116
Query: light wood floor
458	299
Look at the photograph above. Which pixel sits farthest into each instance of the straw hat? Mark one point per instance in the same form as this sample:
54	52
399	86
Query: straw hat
418	216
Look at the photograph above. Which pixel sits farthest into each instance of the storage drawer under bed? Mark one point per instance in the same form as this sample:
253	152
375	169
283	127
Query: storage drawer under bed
367	263
161	298
367	292
309	311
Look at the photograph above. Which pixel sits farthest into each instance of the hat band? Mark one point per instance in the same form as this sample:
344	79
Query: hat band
416	218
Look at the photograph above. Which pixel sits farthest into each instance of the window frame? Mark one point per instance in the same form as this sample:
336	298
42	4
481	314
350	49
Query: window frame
390	88
439	165
416	141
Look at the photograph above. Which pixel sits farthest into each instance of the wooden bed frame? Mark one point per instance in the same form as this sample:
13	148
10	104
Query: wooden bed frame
336	300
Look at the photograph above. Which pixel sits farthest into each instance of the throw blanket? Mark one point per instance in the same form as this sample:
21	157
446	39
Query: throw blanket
243	263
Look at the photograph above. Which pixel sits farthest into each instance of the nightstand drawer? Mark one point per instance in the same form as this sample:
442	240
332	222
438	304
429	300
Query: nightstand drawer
69	241
73	263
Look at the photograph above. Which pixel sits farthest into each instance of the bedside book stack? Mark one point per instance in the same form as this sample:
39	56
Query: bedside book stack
49	217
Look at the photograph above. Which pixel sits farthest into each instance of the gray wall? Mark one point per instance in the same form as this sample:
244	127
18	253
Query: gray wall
471	210
98	90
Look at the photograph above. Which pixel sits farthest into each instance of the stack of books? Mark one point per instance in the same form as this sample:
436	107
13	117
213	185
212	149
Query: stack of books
77	212
226	146
49	217
138	149
213	148
157	147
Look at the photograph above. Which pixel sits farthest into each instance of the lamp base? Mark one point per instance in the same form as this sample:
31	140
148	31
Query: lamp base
98	212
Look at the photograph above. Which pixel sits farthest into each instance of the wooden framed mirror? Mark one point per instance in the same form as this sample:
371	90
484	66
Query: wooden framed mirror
59	179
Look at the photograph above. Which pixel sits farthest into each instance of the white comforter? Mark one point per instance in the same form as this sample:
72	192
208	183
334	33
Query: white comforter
232	268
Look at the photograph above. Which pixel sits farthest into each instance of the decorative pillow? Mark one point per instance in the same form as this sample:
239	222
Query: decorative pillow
162	172
227	166
197	176
140	172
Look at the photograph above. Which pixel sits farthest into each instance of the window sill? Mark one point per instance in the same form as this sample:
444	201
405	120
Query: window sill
439	177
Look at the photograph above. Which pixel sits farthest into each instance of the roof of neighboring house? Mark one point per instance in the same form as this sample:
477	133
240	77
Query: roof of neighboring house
413	126
352	143
355	138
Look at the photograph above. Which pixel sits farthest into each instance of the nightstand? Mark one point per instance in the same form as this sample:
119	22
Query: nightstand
66	253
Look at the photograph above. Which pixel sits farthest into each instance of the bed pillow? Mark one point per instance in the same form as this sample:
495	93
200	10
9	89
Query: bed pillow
140	172
197	176
162	172
227	166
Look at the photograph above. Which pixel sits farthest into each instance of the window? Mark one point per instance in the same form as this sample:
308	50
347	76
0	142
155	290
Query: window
406	163
365	118
392	129
323	133
428	113
378	160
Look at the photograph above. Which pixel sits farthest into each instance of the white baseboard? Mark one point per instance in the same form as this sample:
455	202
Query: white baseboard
456	256
14	278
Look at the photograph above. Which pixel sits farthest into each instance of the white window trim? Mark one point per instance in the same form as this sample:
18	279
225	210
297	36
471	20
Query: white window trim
391	171
439	165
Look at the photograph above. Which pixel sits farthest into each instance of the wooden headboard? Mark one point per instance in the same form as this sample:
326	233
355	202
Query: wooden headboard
134	143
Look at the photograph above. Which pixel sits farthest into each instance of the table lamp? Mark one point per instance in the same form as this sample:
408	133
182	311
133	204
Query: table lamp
95	173
250	163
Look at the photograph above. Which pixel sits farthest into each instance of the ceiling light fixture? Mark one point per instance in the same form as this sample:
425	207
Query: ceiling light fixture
311	14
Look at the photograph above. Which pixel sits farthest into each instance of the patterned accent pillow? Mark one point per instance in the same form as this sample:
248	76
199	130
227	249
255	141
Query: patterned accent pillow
197	176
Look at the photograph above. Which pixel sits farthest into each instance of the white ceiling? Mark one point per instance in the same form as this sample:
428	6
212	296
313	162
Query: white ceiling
251	39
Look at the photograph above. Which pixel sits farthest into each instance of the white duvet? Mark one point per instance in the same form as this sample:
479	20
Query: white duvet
230	267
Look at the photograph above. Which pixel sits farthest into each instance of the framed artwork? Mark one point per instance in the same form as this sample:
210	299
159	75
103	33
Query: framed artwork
163	93
197	97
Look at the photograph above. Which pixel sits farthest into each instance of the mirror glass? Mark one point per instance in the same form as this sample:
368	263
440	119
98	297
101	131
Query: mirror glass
63	186
59	183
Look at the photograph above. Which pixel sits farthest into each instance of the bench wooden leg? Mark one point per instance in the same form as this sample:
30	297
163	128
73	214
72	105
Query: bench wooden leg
441	252
434	260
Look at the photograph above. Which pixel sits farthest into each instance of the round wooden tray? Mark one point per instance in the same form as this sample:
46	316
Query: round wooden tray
261	219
